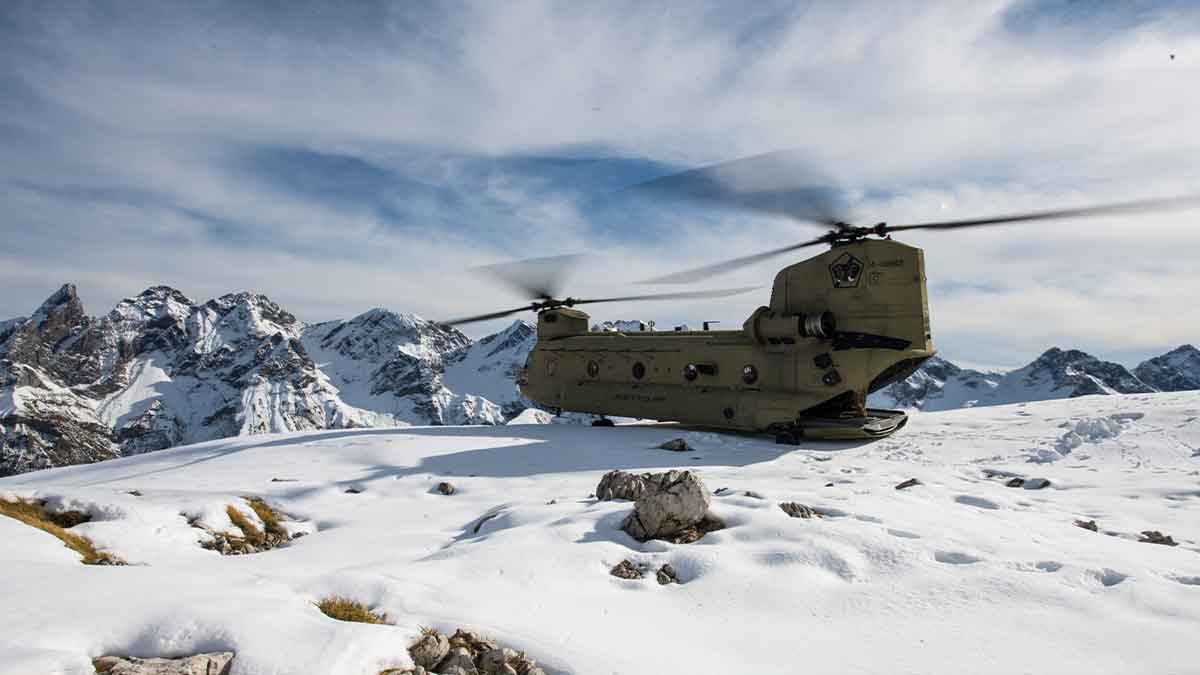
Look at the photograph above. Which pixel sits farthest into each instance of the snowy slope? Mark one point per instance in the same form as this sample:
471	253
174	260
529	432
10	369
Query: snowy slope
958	574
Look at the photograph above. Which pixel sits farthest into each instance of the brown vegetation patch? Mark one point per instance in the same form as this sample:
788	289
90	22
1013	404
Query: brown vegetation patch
34	514
253	539
345	609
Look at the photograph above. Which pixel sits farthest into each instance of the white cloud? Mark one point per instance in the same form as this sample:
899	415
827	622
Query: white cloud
945	106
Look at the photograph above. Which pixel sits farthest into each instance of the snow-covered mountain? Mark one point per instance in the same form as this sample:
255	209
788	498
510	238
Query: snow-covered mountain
161	370
1056	374
1177	370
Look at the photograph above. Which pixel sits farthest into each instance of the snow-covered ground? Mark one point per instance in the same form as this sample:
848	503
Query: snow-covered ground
958	575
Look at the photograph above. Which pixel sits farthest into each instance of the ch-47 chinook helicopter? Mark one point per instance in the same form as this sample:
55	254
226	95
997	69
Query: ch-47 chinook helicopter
839	325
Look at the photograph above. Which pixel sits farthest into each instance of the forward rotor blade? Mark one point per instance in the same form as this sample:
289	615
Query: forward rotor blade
485	317
778	183
689	295
701	273
535	278
1140	206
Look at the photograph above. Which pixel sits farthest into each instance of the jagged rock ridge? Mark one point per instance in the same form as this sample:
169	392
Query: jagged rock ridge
161	370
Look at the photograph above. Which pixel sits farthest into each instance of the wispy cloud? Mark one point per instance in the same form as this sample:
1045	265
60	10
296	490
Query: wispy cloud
340	158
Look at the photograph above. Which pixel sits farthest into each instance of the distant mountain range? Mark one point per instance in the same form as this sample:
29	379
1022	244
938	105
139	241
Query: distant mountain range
1057	373
161	370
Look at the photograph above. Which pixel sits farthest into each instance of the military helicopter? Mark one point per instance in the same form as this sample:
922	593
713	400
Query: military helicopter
840	325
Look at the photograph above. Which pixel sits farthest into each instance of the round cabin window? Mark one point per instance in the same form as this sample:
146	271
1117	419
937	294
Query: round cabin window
691	372
639	370
593	369
749	374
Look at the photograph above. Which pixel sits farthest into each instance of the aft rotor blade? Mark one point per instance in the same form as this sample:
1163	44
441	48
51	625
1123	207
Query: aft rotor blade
1140	206
701	273
778	183
689	295
535	278
485	317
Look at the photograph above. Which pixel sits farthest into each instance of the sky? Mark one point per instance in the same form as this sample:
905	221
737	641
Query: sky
339	158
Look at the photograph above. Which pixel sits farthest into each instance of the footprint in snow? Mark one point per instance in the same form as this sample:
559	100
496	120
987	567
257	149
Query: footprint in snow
977	502
1049	566
1186	581
1108	577
955	558
904	534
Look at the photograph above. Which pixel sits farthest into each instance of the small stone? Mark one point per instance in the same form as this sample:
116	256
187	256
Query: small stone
135	493
552	502
626	570
1156	537
353	491
493	661
446	488
829	485
752	493
905	485
720	491
1087	525
104	664
666	575
525	665
676	445
1015	482
460	661
798	510
429	649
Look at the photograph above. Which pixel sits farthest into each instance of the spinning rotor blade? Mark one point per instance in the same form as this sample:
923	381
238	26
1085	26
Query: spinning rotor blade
485	317
777	183
535	278
700	273
1140	206
689	295
570	302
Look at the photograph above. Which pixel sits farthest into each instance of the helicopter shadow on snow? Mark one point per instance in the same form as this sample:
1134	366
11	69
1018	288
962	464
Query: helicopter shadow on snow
553	449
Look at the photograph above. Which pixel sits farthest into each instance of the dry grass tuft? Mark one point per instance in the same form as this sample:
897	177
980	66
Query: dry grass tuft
34	514
249	530
269	516
345	609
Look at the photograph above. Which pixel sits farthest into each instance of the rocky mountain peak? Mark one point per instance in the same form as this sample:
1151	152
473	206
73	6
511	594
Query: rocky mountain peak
1177	370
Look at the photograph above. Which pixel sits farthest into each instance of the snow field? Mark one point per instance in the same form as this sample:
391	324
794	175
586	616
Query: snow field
958	574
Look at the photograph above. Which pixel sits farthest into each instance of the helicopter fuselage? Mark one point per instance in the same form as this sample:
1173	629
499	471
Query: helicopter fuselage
839	326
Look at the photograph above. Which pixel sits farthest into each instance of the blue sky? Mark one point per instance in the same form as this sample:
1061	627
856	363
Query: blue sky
341	158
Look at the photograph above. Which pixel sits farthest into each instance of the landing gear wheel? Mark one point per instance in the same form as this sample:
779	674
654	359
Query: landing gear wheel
787	437
603	422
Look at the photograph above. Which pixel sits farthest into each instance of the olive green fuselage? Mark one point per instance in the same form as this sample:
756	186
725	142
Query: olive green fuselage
788	364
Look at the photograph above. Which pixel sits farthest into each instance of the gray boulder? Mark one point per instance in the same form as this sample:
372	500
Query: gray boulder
459	661
669	504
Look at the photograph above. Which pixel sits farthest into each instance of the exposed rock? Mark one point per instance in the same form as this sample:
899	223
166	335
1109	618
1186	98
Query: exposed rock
626	570
754	495
473	642
215	663
496	661
666	575
446	488
1156	537
798	510
676	445
460	661
1015	482
353	491
1036	483
429	649
907	484
1087	525
671	503
618	484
